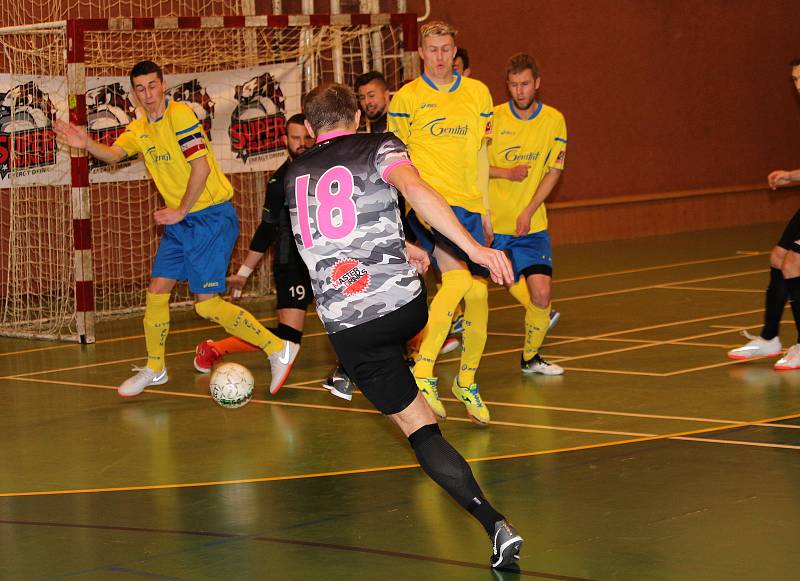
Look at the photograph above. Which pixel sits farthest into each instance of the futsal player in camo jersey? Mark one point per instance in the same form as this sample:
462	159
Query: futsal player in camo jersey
526	157
200	225
344	211
293	286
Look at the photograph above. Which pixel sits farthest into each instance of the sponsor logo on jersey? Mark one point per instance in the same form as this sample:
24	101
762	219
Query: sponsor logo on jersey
514	154
27	139
350	276
561	157
428	106
439	127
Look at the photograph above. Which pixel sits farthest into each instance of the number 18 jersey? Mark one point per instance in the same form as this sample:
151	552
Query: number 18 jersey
346	225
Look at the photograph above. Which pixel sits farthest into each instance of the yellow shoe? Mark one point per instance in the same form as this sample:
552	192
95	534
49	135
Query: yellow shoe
471	398
427	387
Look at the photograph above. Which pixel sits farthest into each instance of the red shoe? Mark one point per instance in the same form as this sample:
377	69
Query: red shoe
205	356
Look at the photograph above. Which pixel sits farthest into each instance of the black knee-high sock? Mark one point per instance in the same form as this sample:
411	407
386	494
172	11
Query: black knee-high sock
287	333
449	470
793	284
777	295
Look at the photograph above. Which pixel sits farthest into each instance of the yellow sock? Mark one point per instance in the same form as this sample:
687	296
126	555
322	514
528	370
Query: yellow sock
455	284
239	323
476	319
156	329
536	319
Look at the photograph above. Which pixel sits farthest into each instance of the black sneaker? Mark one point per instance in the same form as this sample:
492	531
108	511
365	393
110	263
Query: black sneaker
506	544
339	384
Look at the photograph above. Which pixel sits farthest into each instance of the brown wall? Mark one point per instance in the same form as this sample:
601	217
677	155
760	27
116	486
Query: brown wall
659	95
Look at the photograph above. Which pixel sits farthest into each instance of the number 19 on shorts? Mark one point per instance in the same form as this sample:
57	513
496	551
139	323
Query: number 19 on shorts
335	212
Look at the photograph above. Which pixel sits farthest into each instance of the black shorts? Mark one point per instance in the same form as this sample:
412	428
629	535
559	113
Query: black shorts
293	285
790	240
373	355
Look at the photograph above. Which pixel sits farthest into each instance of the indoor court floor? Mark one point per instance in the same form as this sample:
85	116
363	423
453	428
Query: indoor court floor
653	458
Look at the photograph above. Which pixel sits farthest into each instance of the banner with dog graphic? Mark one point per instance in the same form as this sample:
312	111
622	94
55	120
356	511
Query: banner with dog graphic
242	111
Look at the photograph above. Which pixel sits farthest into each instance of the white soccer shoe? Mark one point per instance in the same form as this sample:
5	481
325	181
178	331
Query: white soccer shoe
537	364
757	347
280	363
144	377
791	360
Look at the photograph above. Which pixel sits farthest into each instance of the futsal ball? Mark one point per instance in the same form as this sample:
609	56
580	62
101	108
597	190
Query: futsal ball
231	385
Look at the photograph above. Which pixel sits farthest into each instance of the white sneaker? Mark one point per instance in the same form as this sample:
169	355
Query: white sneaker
757	347
280	363
144	377
791	360
538	365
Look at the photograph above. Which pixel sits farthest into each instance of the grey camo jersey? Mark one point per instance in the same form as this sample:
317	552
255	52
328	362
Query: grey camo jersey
347	228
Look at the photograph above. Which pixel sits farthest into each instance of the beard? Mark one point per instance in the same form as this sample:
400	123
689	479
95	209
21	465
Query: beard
525	104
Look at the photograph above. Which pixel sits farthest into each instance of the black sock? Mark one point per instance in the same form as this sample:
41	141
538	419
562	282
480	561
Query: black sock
777	295
288	333
793	284
448	469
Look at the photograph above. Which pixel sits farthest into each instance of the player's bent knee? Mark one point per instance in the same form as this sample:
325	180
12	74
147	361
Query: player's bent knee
478	291
205	308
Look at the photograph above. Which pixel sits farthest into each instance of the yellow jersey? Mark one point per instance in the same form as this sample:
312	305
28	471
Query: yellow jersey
540	143
443	130
167	146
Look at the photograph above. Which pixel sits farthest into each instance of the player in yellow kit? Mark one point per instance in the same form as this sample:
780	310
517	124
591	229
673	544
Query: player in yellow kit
444	119
200	225
526	158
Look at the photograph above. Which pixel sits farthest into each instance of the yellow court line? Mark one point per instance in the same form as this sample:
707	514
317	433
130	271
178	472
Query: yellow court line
741	443
454	359
636	440
614	371
336	408
560	300
671	436
313	314
714	289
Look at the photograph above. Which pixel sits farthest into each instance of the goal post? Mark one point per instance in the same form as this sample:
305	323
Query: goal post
77	237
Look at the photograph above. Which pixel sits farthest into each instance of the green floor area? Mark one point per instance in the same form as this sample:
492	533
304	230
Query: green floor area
654	457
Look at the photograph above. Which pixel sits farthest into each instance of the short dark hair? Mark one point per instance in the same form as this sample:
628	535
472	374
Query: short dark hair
464	56
296	119
367	78
145	68
330	105
521	61
796	62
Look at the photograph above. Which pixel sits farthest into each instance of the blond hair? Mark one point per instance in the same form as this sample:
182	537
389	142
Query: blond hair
436	28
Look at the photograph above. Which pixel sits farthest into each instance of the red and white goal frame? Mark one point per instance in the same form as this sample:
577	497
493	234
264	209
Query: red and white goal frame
112	236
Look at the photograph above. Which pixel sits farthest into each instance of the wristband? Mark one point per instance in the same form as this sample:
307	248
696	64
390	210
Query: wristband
244	271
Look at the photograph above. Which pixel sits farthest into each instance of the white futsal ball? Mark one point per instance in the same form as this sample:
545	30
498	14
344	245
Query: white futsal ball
231	385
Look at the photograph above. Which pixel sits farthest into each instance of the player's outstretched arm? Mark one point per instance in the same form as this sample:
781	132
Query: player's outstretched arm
783	178
73	136
434	209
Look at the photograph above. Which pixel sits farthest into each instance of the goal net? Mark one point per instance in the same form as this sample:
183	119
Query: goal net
77	238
